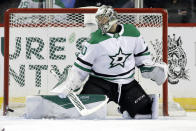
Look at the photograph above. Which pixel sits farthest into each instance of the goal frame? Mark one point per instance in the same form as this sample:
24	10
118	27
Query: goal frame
81	10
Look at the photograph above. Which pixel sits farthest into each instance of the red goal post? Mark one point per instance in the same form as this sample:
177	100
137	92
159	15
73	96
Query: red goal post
30	21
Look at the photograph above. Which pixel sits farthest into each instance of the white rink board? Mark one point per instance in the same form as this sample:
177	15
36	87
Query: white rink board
185	88
47	79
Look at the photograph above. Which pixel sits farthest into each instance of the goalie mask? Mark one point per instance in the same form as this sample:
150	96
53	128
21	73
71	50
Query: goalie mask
105	18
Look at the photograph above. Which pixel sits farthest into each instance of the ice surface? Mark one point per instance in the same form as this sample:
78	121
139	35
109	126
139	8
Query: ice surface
187	123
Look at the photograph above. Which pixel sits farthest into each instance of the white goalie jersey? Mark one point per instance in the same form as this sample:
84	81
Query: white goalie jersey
113	57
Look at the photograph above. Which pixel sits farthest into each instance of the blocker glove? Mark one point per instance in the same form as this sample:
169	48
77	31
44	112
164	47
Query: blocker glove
157	72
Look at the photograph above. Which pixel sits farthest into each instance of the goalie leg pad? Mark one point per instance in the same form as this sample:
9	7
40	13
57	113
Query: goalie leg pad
135	100
154	108
49	106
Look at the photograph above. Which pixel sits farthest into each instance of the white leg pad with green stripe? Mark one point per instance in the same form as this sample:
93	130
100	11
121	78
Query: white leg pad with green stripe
48	106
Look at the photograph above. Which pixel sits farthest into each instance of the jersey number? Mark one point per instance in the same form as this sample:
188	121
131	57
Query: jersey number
84	49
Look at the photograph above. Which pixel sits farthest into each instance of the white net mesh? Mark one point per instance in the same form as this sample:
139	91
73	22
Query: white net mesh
77	19
41	42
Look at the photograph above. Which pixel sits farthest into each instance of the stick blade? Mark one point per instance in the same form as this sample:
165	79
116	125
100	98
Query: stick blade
86	112
81	107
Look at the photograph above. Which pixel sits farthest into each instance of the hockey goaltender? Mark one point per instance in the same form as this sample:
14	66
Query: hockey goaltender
108	60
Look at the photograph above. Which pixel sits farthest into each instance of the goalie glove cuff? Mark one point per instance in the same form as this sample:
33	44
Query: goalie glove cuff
156	72
72	82
161	73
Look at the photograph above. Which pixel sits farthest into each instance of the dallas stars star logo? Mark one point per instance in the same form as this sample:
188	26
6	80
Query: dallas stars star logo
119	59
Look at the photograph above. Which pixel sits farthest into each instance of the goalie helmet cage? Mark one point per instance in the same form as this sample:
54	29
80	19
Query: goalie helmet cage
31	21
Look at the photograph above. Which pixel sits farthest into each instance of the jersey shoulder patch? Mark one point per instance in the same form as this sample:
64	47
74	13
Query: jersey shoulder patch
130	30
97	37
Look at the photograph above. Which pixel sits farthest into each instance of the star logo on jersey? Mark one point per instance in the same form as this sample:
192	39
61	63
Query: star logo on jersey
119	59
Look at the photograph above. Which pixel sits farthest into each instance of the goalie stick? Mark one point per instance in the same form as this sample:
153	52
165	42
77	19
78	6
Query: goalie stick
76	101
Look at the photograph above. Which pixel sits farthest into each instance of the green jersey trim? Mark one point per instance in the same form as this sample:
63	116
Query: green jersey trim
146	69
147	53
131	76
97	37
82	68
143	53
59	3
130	30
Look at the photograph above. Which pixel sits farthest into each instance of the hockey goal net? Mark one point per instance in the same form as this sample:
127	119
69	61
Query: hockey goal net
40	40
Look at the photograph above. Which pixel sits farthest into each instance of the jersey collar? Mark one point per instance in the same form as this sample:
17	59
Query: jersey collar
120	33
